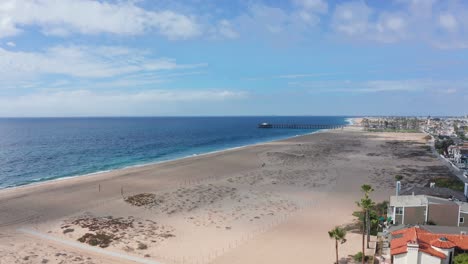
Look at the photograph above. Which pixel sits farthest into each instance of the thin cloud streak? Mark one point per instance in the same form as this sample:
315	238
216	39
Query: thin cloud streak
86	102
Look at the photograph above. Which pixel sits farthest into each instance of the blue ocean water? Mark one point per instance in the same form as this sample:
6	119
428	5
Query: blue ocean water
39	149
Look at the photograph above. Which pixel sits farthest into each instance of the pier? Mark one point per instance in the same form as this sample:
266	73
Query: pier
299	126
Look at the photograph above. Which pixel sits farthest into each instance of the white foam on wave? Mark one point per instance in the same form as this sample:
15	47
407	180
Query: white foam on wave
350	121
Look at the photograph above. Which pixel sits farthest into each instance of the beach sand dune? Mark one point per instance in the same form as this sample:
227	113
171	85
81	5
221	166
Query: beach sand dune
268	203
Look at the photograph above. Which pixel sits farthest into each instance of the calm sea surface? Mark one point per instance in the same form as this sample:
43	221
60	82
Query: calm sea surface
39	149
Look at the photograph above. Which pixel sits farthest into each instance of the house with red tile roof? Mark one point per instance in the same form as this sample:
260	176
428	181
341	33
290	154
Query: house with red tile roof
420	246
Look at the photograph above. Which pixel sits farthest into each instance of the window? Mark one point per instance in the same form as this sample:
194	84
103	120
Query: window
462	220
399	210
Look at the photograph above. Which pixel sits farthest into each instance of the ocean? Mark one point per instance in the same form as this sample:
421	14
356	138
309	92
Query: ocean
40	149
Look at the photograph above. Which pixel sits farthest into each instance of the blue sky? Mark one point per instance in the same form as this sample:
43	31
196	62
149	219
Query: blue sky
197	57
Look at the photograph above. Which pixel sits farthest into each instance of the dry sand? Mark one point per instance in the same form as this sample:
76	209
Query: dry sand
268	203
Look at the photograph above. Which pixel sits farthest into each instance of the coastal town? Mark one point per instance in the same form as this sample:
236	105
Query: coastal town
423	223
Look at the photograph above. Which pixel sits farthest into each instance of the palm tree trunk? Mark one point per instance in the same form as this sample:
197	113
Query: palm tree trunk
363	240
368	224
336	248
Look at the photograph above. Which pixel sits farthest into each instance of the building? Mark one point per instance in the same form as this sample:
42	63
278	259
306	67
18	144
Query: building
420	246
435	191
425	209
458	154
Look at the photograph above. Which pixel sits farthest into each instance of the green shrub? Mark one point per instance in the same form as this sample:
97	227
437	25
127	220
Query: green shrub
99	239
451	183
358	257
461	258
398	177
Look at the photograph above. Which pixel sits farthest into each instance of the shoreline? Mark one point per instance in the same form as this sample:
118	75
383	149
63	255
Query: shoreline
40	182
218	206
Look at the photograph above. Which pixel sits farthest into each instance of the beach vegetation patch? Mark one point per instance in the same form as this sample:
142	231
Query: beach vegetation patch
105	231
183	199
142	246
166	235
104	223
144	199
100	239
405	149
68	230
451	183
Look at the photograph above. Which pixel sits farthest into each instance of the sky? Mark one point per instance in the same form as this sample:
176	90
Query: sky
233	57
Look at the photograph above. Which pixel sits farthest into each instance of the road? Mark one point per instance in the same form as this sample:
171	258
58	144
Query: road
458	173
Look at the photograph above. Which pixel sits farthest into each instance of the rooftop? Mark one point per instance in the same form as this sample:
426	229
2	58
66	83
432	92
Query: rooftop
408	200
426	241
417	200
454	230
435	191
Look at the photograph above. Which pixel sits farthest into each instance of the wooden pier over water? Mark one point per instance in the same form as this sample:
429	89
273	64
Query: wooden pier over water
299	126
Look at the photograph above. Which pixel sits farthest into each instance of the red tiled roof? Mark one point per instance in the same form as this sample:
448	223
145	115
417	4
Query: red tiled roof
426	240
442	244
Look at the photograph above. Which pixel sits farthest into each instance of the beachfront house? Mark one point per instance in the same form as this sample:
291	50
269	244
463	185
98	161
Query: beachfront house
420	246
425	209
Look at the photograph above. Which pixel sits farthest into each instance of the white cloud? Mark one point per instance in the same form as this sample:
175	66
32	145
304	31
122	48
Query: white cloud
451	44
90	103
308	11
391	86
303	75
441	24
391	23
385	86
357	20
448	22
351	18
274	23
11	44
225	29
317	6
82	61
390	27
62	17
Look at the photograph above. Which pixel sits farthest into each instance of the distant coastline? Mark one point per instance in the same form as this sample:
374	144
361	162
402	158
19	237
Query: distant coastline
41	180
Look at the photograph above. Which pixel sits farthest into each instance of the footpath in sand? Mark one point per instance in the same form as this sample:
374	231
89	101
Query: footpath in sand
268	203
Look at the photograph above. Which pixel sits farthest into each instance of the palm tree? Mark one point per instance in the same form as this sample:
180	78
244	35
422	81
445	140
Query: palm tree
339	234
366	204
367	189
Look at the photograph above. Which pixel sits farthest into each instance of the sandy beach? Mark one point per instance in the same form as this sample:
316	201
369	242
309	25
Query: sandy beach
268	203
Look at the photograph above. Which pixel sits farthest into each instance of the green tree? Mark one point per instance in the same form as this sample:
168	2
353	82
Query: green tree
339	234
398	177
367	189
366	204
461	258
442	145
358	257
